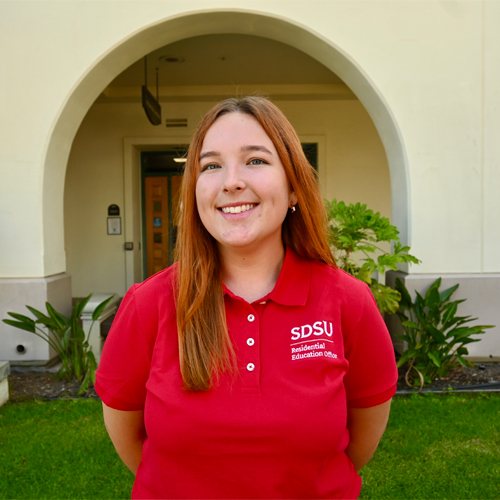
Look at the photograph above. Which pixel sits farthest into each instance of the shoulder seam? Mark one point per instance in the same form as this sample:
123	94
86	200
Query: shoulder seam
168	270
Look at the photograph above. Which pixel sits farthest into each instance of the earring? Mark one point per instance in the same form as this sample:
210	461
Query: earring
292	208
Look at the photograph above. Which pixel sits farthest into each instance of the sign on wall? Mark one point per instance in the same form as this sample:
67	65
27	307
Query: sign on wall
113	210
114	225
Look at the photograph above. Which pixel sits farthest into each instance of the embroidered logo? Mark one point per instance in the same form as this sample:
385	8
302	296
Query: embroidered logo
314	347
318	328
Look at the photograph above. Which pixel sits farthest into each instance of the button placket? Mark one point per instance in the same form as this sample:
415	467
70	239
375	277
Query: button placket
251	358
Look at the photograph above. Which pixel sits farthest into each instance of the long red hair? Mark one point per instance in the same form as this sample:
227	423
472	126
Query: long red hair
205	347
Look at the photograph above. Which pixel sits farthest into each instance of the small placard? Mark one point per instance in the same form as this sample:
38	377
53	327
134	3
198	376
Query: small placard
157	222
113	210
114	225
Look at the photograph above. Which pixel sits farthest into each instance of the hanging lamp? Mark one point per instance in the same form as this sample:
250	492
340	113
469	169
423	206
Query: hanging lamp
149	103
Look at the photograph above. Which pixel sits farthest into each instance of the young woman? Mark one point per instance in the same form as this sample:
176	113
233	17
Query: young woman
254	367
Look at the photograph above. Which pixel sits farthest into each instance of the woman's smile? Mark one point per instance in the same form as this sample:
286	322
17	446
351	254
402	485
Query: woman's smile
237	209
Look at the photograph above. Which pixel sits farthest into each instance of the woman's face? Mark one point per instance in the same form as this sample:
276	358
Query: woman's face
242	192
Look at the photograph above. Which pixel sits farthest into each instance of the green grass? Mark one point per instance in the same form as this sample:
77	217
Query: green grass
59	450
438	446
445	446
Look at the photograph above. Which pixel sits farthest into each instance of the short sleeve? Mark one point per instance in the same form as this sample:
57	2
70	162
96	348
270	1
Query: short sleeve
372	374
126	358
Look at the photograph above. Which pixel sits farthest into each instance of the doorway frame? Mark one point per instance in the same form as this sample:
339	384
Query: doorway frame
133	228
132	187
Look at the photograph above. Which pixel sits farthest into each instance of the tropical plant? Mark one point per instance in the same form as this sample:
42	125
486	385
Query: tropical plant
435	335
66	336
353	229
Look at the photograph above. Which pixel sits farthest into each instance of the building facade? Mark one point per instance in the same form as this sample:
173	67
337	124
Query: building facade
397	100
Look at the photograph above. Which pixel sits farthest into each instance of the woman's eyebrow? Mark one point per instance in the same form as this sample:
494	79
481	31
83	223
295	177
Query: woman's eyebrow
244	149
208	153
252	147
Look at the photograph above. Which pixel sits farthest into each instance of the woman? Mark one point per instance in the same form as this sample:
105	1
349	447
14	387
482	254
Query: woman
253	368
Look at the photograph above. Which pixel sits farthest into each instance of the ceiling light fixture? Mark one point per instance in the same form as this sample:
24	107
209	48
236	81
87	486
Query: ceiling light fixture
180	160
171	59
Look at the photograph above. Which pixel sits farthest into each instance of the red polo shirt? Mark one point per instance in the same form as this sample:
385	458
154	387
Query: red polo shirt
315	345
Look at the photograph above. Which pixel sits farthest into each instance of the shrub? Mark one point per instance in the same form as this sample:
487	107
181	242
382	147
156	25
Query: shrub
353	229
66	336
436	336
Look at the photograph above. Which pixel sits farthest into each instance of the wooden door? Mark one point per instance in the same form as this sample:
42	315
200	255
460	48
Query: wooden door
156	220
161	216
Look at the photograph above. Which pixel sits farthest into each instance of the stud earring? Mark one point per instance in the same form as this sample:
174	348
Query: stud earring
292	208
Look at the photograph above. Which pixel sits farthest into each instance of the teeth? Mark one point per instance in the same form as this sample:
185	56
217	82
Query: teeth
237	210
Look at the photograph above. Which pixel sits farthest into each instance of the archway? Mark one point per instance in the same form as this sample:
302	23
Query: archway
176	28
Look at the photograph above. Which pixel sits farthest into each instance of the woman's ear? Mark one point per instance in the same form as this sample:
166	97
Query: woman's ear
293	199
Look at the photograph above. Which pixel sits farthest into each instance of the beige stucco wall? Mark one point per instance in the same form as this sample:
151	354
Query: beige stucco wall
432	63
353	167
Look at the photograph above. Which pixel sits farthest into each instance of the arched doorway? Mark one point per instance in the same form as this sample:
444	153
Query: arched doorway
177	28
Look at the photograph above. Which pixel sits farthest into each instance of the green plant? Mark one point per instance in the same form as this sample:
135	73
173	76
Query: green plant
66	336
353	229
435	335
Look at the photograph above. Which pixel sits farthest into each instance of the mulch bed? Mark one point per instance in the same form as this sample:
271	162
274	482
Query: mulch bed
27	386
482	373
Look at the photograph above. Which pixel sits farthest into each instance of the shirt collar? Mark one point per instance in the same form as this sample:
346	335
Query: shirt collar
292	287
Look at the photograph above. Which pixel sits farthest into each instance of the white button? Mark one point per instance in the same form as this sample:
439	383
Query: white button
251	317
250	367
250	342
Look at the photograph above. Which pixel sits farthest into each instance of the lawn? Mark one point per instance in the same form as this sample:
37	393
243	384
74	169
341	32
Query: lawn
59	450
445	446
438	446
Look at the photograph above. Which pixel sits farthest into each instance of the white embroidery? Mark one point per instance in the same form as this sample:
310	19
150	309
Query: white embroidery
312	348
318	328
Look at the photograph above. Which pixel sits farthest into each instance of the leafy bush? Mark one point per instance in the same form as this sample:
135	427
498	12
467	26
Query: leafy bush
354	228
436	336
67	338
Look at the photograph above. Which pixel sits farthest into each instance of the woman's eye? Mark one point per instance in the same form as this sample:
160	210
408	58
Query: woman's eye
210	166
257	161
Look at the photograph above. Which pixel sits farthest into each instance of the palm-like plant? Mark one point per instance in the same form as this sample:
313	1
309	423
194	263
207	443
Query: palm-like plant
66	336
436	337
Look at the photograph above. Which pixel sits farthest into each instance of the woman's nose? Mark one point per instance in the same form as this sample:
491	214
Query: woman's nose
233	179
